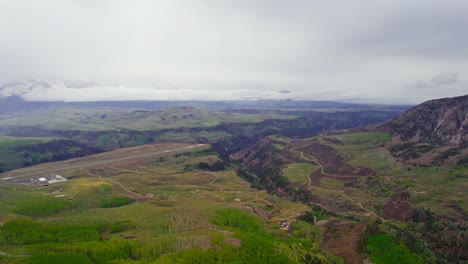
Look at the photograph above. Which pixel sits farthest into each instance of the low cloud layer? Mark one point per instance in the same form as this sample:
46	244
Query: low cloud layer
118	93
60	90
445	78
359	50
435	86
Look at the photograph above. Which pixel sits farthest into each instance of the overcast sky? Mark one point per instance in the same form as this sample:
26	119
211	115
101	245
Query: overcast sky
395	51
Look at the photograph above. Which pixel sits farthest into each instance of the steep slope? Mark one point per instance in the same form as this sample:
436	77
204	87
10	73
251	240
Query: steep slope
435	132
442	122
349	179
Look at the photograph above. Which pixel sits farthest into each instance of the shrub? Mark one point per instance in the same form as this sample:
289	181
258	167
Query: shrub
116	201
29	232
122	226
42	206
383	250
60	258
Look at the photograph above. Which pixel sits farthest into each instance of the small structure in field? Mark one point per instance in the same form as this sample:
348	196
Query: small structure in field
50	179
284	225
42	181
56	179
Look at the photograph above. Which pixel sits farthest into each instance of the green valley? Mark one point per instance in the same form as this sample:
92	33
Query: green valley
256	185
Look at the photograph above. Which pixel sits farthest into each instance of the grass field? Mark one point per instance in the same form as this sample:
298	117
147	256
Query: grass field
298	172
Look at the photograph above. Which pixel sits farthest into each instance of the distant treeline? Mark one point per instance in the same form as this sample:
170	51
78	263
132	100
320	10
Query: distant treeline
54	150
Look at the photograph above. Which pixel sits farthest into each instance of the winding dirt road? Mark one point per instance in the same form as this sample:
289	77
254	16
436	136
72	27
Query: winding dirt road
315	160
213	181
116	182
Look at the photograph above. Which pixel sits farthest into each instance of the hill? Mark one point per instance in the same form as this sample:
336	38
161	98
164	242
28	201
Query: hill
435	132
441	122
351	179
377	174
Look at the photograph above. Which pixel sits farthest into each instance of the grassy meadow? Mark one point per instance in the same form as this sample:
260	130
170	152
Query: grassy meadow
298	172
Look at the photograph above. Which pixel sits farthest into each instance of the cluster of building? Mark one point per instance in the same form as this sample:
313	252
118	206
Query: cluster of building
46	180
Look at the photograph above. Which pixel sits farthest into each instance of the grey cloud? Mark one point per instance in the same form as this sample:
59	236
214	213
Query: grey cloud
419	85
308	47
445	78
439	83
420	28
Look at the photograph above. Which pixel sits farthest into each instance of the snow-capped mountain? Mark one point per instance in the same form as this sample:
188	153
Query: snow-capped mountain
24	87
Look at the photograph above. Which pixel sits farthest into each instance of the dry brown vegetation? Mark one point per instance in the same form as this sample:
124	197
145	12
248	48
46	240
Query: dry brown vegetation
343	238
